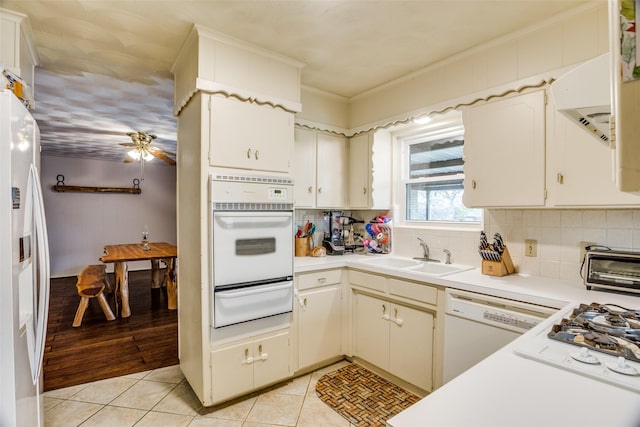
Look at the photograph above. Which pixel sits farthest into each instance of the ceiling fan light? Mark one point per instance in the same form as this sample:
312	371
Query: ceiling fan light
134	154
147	156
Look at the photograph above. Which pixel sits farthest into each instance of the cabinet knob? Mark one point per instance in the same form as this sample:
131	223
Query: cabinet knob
309	189
319	189
560	178
473	184
249	153
364	190
257	154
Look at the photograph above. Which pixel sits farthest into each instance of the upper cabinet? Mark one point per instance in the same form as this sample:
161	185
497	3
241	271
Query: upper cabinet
17	52
370	171
243	135
320	167
580	169
504	152
521	152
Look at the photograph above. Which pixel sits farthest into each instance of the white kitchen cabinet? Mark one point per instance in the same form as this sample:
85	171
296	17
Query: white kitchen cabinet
319	325
396	338
243	135
319	179
580	169
504	152
304	168
17	51
370	171
318	316
254	363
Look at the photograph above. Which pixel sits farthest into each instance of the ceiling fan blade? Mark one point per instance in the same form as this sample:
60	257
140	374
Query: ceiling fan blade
128	159
129	144
161	155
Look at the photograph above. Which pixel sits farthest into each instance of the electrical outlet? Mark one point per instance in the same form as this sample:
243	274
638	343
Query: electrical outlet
531	247
583	248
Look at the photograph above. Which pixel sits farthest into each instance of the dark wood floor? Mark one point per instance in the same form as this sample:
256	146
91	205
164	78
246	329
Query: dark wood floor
100	349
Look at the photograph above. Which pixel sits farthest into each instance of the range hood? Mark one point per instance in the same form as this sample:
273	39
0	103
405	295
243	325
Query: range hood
584	95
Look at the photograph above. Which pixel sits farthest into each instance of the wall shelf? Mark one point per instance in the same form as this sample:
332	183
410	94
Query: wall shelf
60	187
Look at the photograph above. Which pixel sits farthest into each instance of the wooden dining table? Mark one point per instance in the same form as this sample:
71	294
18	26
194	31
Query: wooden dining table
120	255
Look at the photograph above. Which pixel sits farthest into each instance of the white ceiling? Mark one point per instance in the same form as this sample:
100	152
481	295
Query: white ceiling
104	64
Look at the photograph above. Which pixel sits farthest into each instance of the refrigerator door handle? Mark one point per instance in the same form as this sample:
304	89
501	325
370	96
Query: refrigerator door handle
42	276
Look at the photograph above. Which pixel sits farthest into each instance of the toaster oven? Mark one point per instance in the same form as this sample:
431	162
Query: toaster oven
613	270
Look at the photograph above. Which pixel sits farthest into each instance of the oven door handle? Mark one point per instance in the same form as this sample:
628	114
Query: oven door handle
229	221
252	291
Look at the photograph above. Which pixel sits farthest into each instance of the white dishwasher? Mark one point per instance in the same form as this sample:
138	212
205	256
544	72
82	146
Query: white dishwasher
477	325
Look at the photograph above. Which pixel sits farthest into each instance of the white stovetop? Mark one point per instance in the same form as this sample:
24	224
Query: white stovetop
506	389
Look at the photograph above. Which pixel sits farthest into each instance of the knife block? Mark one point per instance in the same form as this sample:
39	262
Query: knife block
499	268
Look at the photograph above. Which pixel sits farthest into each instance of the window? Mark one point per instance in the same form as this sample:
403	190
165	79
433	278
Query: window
432	177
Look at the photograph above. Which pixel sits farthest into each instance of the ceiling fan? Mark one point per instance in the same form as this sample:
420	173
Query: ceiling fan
143	151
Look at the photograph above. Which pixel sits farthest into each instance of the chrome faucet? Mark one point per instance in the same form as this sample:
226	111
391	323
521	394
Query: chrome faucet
425	249
447	254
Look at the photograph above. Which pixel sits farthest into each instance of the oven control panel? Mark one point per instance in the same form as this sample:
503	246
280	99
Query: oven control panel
278	193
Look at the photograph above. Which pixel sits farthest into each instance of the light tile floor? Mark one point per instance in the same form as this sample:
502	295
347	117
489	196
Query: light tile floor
163	398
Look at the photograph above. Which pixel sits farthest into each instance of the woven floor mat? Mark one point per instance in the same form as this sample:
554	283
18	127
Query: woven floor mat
362	397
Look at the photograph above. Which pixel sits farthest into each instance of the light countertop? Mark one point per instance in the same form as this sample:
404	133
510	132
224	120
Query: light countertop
506	389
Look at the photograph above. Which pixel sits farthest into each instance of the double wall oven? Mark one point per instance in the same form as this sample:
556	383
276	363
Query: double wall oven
252	248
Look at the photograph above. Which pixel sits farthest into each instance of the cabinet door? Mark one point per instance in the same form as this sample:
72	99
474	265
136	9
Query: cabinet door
411	345
504	152
359	172
372	330
581	167
271	359
319	325
249	136
232	371
304	168
331	171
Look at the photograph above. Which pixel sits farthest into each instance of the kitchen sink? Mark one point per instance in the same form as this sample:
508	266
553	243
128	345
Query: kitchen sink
438	269
385	261
408	264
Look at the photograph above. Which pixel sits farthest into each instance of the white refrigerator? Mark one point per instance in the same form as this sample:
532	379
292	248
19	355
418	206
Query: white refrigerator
24	267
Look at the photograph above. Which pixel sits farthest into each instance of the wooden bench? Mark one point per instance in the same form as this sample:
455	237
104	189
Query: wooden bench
92	282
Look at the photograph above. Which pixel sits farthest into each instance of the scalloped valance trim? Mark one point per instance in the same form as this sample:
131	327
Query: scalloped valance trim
216	88
407	120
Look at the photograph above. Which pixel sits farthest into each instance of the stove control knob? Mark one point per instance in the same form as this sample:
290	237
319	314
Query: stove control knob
622	367
585	356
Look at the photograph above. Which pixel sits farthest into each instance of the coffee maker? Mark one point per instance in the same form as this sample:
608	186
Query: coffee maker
333	241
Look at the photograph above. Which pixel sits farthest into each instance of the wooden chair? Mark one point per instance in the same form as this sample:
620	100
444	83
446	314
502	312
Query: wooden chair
92	282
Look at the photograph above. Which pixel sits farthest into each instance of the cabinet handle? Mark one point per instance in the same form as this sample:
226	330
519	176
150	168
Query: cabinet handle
473	184
398	321
310	189
319	189
304	303
249	153
385	315
247	359
364	190
257	154
321	280
263	356
560	178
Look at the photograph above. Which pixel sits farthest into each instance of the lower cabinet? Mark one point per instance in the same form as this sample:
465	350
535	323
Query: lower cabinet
396	338
319	325
240	368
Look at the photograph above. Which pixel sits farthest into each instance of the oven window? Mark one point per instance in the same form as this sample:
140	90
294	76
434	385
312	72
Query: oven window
255	246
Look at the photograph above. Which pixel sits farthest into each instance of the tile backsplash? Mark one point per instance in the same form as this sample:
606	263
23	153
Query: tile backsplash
558	234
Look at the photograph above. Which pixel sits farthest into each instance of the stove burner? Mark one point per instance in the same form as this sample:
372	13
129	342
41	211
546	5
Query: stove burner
605	328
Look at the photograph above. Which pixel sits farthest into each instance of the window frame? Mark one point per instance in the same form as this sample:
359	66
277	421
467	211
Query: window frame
445	127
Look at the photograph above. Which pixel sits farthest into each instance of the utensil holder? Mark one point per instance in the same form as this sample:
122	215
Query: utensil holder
499	268
302	246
